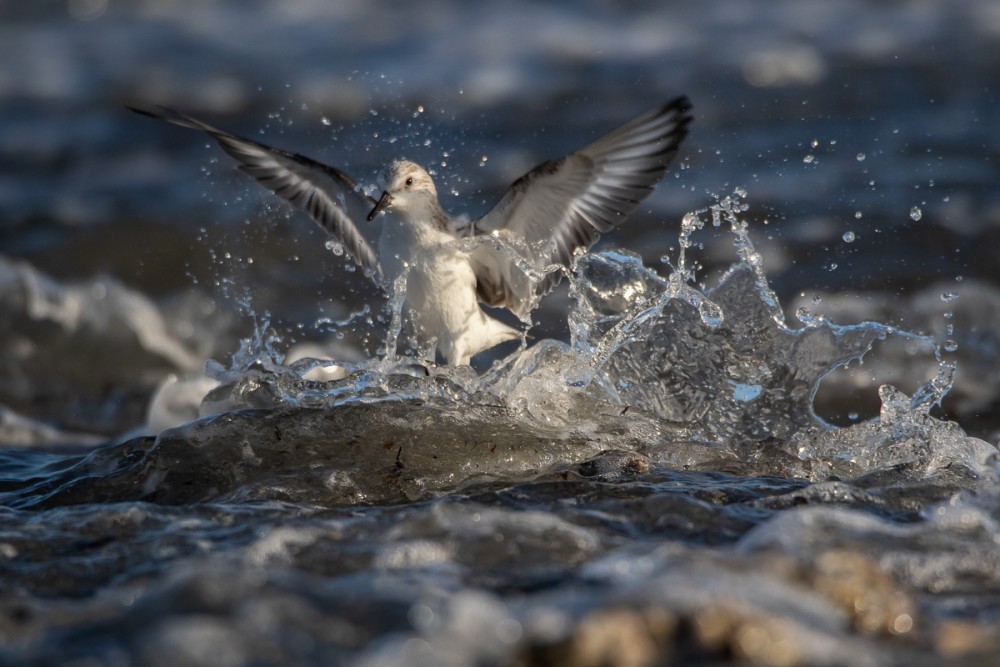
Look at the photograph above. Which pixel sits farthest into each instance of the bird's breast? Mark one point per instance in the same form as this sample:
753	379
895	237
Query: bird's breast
405	243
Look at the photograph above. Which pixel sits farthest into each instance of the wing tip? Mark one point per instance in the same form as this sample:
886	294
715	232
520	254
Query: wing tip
679	108
680	103
141	111
173	117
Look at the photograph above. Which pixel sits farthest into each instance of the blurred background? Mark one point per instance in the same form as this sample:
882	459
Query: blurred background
866	134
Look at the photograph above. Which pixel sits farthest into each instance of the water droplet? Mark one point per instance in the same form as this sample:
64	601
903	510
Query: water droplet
950	346
809	159
949	296
814	143
334	247
858	215
848	237
326	121
832	267
860	157
916	213
710	313
853	416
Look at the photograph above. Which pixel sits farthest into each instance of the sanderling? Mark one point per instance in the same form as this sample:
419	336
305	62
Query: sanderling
542	219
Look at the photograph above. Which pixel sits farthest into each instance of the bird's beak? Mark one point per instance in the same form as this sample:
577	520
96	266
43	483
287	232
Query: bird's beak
383	203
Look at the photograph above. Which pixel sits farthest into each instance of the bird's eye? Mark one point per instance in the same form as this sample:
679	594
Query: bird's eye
409	181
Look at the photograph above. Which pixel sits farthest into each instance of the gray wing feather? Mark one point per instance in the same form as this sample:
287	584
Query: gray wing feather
566	204
301	180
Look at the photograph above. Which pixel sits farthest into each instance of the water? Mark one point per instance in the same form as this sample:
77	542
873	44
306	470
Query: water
757	425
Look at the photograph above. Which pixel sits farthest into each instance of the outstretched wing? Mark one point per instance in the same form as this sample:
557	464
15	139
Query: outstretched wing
306	183
566	204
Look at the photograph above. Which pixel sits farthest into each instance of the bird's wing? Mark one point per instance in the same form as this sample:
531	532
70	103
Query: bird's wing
306	183
566	204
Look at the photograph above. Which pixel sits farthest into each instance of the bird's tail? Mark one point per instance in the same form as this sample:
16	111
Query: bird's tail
484	334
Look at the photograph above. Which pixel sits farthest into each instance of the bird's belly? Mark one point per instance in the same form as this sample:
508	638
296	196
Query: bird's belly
441	291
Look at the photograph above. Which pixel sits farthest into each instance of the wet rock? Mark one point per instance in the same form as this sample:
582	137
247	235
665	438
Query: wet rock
873	600
729	631
614	465
613	637
956	639
392	451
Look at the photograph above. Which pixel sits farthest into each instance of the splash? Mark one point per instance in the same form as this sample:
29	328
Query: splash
722	361
719	364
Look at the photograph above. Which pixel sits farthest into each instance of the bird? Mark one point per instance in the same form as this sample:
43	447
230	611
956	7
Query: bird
449	266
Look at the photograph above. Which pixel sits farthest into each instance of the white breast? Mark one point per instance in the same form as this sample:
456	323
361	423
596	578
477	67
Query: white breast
440	289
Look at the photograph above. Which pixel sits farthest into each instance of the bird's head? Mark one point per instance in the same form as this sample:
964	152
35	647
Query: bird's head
407	187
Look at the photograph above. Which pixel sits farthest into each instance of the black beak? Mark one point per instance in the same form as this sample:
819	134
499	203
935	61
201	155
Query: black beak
382	203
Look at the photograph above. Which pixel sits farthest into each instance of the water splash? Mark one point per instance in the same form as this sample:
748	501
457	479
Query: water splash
260	349
397	299
721	363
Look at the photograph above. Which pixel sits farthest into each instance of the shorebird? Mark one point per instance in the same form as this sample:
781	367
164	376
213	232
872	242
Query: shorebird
544	217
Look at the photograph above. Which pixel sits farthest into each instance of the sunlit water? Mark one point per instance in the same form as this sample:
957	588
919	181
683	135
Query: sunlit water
743	430
661	476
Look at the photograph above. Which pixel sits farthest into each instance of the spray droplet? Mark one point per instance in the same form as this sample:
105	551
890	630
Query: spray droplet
858	215
848	237
860	157
916	213
949	296
710	313
809	159
950	346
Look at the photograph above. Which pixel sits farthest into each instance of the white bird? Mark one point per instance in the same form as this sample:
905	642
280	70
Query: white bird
546	215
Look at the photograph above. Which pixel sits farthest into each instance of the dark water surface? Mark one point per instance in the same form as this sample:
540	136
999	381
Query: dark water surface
790	459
